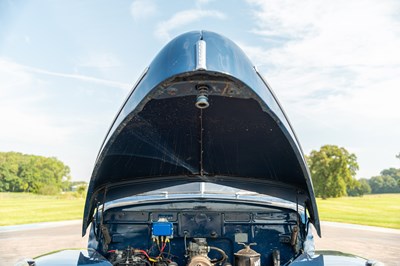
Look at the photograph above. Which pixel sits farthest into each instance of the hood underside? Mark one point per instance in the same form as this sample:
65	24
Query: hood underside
161	138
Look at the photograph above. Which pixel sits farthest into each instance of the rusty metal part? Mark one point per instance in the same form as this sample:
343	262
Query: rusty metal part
200	260
276	257
247	257
293	239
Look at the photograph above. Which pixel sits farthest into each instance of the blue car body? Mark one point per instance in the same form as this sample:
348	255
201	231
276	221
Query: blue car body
200	167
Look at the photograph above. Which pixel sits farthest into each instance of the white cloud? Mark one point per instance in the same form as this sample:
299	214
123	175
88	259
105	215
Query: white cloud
183	18
331	49
200	3
336	33
105	82
19	91
103	64
141	9
24	71
36	118
99	60
336	66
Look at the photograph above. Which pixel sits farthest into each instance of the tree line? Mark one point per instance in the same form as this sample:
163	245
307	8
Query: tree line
32	173
333	171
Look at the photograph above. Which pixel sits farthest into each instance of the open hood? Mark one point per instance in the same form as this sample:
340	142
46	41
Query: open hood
201	113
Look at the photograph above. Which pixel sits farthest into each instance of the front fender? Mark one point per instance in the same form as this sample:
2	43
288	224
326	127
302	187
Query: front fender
332	258
74	257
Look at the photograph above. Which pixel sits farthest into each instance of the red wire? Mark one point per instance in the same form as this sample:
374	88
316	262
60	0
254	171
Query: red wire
163	247
145	253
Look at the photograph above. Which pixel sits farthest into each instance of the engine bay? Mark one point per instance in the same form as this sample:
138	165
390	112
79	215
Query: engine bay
198	234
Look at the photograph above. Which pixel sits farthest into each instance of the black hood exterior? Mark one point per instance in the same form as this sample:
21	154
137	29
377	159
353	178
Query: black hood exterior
160	138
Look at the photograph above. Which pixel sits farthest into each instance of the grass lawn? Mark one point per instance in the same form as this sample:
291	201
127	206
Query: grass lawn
378	210
23	208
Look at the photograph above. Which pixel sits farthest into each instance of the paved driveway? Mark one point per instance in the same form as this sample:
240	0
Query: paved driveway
32	240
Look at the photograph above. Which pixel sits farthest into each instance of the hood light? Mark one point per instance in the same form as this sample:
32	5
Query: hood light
202	97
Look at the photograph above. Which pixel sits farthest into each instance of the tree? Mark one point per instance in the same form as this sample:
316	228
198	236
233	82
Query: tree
383	184
394	173
81	190
332	170
9	167
31	173
360	188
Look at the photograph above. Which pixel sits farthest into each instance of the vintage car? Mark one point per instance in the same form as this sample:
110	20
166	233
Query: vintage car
200	167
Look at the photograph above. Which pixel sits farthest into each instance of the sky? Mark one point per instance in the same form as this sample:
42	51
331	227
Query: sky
67	66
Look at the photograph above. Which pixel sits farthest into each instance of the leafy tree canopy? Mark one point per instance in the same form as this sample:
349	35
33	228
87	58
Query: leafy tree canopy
31	173
332	170
387	182
359	188
392	172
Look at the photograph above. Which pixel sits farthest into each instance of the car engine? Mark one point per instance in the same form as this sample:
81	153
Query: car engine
203	235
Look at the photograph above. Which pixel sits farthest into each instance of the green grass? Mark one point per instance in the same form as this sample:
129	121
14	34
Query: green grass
377	210
22	208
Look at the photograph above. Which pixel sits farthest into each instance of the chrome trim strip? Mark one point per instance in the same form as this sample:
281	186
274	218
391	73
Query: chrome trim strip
201	55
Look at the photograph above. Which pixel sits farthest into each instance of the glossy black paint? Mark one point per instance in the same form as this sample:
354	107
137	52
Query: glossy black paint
85	257
329	258
81	257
